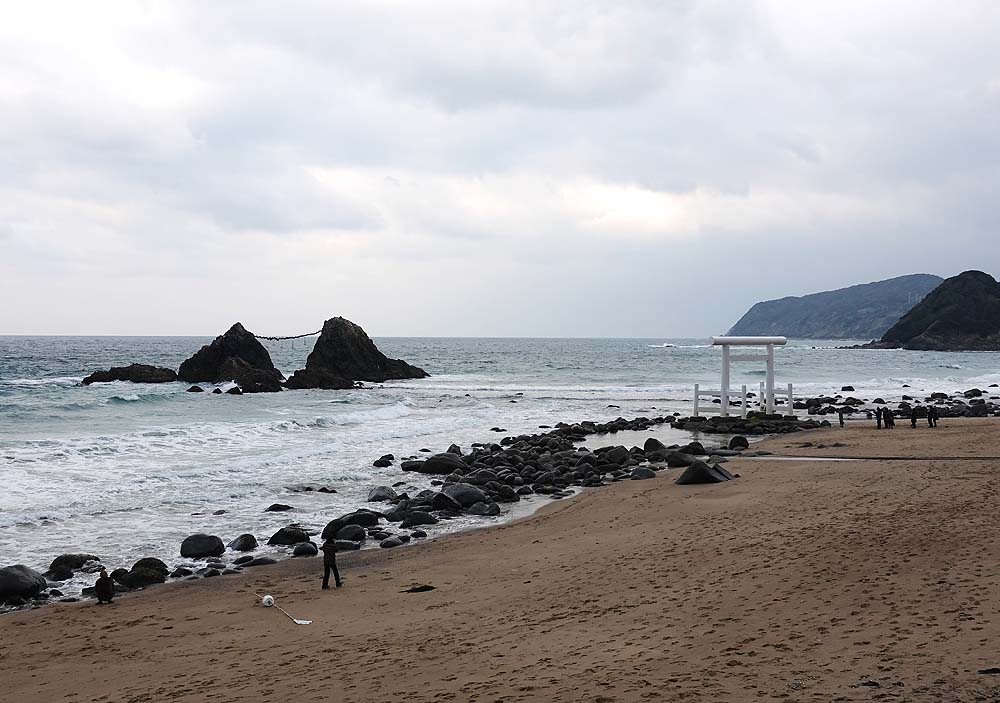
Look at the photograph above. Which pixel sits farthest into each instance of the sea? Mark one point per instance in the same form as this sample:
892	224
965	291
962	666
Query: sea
124	471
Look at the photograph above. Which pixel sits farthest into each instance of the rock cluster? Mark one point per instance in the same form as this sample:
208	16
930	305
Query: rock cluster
344	354
236	356
136	373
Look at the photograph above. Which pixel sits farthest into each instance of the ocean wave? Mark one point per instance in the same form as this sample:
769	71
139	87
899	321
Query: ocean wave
661	346
50	381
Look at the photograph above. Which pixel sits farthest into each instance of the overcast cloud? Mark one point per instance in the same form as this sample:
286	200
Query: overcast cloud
509	168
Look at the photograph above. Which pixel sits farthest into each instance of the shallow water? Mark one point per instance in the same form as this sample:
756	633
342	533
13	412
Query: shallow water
124	471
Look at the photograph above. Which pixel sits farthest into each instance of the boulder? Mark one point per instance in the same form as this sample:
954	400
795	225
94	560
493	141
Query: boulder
288	536
278	508
234	356
244	543
849	389
680	459
364	518
354	533
642	472
198	389
135	373
417	518
652	444
739	442
345	353
700	472
464	494
260	561
438	464
63	566
384	461
144	572
381	494
443	501
616	455
346	545
20	581
199	546
391	542
305	549
235	390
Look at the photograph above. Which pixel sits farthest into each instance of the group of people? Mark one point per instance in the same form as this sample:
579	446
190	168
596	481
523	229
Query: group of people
884	417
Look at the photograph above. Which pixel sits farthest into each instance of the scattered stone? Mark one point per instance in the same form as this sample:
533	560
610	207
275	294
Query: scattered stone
390	543
418	588
259	561
641	472
20	581
739	442
700	472
196	389
278	508
288	536
381	494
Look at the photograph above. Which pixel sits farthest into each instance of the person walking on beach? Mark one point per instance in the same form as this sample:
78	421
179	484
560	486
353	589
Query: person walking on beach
890	419
932	416
330	563
878	418
104	588
840	416
913	418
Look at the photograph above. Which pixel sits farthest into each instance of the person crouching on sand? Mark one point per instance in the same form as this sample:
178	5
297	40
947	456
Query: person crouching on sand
104	588
330	563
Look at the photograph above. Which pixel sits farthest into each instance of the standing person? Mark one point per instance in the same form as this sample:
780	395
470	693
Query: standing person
913	418
104	588
890	419
840	416
878	418
330	563
932	416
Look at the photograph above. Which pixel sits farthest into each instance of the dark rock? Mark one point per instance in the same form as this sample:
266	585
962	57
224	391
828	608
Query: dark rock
390	543
239	561
641	472
443	501
484	509
418	588
417	518
260	561
199	546
346	545
849	389
344	352
288	536
235	390
454	449
243	543
364	518
418	534
234	356
652	444
381	494
278	508
739	442
20	581
136	373
680	459
700	472
198	389
439	464
63	566
305	549
355	533
217	391
464	494
145	572
384	461
181	571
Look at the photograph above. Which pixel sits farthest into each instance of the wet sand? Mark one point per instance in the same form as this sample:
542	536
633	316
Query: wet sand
801	581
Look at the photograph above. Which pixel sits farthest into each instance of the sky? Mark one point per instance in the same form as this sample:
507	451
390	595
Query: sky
592	169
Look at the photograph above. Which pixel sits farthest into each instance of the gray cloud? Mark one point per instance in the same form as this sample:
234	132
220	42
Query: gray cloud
497	168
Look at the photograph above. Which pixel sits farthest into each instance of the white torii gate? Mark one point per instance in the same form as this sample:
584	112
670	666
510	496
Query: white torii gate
767	385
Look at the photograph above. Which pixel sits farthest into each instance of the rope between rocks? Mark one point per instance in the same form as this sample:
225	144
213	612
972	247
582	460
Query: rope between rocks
294	336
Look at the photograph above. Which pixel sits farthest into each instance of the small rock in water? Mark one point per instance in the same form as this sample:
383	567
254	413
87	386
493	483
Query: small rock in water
277	508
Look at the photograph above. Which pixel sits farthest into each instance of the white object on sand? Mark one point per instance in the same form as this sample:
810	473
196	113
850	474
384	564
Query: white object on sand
268	602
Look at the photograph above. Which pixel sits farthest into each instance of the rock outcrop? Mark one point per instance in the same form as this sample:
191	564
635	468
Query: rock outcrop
344	354
962	314
136	373
236	356
858	312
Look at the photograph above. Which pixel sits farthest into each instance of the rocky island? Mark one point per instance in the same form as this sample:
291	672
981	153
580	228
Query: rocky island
962	314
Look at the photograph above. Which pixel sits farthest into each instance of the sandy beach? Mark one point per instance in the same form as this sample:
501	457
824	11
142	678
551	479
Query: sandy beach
801	581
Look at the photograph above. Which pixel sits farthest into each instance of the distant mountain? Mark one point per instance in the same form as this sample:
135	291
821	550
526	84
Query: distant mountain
864	311
961	314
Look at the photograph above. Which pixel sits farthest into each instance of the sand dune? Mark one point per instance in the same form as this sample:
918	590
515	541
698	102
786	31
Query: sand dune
801	581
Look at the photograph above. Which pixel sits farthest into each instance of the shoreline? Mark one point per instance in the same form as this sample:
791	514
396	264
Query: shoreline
806	580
